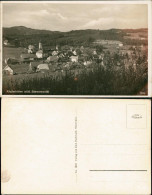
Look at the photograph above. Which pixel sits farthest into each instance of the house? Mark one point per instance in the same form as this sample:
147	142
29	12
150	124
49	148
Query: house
6	42
74	58
52	59
42	68
39	54
120	44
27	57
8	70
94	52
74	52
31	49
55	53
87	63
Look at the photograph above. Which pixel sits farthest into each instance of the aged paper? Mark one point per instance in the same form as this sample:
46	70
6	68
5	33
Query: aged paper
71	146
76	48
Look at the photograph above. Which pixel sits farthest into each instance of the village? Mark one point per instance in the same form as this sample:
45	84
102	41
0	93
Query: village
99	66
108	54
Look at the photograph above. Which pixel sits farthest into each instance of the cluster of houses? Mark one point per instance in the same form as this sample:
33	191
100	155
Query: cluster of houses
69	57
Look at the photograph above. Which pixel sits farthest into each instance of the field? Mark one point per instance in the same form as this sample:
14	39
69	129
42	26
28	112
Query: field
94	82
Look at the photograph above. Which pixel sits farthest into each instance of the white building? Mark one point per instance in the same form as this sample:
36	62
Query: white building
7	70
39	54
74	52
74	58
120	44
42	68
6	42
31	49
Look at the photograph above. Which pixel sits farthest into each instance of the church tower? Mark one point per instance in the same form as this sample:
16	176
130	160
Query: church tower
40	45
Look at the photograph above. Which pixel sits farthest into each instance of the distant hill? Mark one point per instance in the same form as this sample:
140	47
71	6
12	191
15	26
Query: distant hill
22	30
23	36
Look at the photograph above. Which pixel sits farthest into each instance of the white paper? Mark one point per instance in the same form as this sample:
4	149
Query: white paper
71	146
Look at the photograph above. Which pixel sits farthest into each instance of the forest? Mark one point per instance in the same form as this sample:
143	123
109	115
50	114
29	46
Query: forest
22	36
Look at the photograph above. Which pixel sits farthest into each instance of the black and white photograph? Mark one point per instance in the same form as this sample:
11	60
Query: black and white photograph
75	48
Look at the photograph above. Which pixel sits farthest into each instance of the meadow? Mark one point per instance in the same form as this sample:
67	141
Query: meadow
96	82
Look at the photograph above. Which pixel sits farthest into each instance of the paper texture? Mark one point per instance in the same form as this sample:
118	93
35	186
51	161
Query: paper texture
76	48
71	146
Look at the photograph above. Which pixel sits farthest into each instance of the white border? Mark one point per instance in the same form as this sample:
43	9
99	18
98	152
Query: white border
1	38
148	2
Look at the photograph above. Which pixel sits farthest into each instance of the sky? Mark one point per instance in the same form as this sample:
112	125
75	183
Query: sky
66	17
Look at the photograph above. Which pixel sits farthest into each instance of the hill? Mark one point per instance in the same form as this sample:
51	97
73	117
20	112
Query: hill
22	30
23	36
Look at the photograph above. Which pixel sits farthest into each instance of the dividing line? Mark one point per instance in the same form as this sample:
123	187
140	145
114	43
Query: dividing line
117	170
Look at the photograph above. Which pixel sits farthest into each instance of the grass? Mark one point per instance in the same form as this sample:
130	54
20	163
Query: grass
94	82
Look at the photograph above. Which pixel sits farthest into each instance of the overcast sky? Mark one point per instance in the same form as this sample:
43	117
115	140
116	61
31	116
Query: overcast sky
66	17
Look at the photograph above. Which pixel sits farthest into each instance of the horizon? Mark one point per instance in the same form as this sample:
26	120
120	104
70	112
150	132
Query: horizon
77	29
68	17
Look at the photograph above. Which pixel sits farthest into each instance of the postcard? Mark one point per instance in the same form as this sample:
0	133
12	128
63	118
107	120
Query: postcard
76	48
76	146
